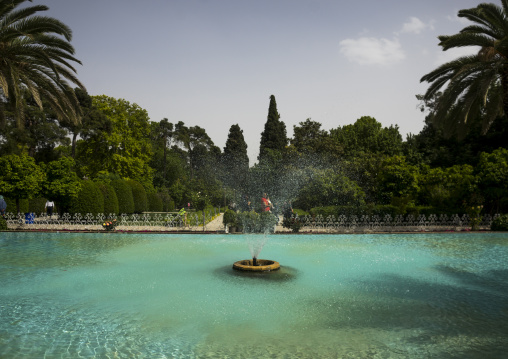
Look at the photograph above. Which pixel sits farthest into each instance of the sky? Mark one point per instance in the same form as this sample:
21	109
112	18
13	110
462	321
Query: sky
215	63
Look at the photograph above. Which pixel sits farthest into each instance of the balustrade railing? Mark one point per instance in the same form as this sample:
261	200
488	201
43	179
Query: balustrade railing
387	223
210	221
125	222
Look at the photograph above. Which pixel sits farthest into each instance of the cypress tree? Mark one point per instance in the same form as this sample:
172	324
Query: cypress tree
235	158
274	137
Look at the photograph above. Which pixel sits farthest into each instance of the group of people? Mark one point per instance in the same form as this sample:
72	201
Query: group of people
266	205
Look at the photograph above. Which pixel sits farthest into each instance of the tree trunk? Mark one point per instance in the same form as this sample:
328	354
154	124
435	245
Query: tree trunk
504	85
73	151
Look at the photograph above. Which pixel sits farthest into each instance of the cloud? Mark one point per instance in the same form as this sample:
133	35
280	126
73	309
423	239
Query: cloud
415	26
456	18
372	51
454	53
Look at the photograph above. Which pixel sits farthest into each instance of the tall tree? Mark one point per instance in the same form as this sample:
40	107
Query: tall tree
476	86
368	136
126	150
162	137
273	137
20	177
194	140
235	159
35	54
93	123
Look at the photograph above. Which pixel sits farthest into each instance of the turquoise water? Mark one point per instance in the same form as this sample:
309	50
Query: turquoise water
112	295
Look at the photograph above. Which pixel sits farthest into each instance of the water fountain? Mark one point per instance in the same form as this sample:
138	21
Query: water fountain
256	223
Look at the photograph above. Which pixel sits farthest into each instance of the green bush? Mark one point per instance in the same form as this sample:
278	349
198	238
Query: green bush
37	205
253	222
89	200
110	198
124	194
3	224
11	205
154	202
230	218
370	210
500	223
139	196
300	212
168	205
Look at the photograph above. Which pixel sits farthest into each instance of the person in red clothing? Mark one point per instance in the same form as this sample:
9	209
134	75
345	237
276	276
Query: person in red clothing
266	204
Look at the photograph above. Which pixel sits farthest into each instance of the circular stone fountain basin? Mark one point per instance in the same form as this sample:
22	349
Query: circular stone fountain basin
263	265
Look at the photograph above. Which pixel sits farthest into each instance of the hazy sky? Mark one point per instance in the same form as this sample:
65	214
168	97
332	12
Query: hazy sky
215	63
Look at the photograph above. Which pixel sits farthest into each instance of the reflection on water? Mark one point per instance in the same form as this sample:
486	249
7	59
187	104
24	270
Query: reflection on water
153	296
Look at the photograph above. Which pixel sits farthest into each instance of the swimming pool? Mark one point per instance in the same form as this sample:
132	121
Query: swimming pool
109	295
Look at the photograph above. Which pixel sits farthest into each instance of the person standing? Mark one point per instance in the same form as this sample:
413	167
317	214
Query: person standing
49	207
3	206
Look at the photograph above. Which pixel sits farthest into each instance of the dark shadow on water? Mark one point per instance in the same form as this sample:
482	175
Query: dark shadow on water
284	274
463	318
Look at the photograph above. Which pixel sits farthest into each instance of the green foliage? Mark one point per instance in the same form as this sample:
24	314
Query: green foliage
154	202
293	223
168	205
397	178
235	160
475	217
253	222
37	205
500	223
300	212
126	150
62	184
328	187
274	135
3	224
473	86
492	172
447	187
367	135
110	198
11	205
139	196
124	194
20	177
36	56
89	200
230	218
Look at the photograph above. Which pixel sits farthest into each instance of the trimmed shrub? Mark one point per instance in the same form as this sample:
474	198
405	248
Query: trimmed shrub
89	200
500	223
139	196
230	218
300	212
11	205
124	194
168	205
110	198
37	205
154	202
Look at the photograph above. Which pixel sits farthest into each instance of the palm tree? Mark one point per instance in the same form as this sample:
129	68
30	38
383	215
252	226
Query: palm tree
35	55
473	87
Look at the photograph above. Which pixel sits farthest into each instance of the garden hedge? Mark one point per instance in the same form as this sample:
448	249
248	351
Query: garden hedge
500	223
110	198
89	200
154	202
37	205
11	205
139	196
124	194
